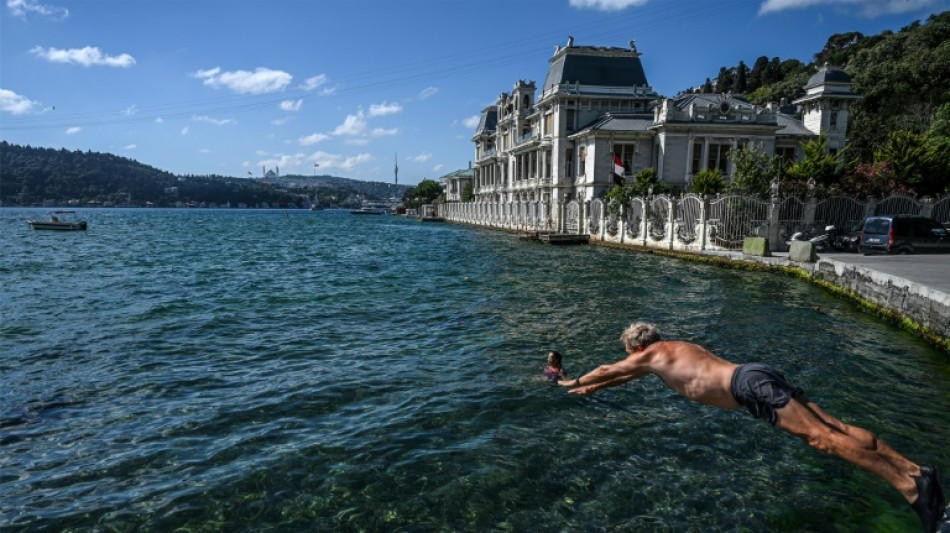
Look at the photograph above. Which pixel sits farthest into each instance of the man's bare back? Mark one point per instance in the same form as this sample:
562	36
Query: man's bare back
687	368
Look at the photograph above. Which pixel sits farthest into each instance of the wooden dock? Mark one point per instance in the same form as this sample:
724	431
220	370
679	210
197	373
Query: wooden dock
563	238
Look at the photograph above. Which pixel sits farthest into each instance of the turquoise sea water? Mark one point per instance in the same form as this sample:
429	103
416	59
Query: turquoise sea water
317	371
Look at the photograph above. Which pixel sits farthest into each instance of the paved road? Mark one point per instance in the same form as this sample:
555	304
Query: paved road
931	270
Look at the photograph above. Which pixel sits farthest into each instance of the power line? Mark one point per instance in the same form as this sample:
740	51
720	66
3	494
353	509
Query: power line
639	23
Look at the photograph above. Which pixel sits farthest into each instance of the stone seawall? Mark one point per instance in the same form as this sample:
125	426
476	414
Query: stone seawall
924	310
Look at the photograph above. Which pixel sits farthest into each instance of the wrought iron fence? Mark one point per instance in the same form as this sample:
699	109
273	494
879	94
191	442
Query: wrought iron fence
689	221
596	214
734	217
633	217
689	211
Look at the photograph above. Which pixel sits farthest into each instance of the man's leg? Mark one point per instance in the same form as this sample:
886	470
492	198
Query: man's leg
867	439
830	435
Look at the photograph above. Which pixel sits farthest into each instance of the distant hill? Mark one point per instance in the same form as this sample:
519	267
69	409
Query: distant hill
373	190
47	176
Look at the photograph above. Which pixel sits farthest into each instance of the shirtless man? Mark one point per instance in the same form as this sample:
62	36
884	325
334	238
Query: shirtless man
699	375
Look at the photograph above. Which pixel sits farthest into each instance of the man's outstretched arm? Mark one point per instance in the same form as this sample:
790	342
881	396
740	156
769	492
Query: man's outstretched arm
589	389
605	376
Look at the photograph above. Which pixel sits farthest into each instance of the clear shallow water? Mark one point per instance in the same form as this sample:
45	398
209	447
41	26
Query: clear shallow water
316	371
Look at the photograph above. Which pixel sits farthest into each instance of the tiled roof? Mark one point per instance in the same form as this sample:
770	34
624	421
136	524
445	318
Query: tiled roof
463	173
588	68
828	74
791	126
684	100
619	122
488	121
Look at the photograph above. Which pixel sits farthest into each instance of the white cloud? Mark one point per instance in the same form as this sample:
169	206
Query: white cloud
313	139
328	91
291	105
472	122
184	131
129	111
437	168
285	161
385	108
215	121
88	56
73	130
316	81
299	161
352	125
159	120
356	127
15	103
606	5
20	8
204	151
261	81
421	158
129	147
867	8
348	163
280	121
427	92
357	141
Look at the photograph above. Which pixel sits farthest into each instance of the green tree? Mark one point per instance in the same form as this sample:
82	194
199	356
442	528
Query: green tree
647	179
917	162
725	80
467	192
709	181
741	83
640	186
940	126
818	164
757	76
426	192
754	170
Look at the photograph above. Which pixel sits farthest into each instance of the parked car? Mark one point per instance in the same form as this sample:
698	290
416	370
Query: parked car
904	234
850	240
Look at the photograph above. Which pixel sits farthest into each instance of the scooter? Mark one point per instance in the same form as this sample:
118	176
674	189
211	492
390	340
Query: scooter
821	242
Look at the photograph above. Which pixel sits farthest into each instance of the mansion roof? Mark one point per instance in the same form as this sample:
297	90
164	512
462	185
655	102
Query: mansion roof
595	66
619	122
488	122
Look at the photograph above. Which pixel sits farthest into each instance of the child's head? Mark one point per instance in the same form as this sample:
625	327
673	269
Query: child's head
554	359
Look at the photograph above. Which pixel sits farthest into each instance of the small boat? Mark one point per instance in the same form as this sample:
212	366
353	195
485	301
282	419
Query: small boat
54	223
371	209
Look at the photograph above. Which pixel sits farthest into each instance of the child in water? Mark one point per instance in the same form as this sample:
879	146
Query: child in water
555	370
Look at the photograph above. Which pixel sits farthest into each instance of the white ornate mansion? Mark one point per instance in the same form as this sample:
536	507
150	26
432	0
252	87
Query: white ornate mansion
596	119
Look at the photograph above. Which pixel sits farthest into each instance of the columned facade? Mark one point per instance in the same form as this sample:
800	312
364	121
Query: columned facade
597	122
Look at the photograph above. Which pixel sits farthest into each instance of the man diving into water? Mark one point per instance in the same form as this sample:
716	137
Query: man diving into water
701	376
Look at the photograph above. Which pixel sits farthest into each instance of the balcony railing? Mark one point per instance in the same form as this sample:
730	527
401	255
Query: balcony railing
527	137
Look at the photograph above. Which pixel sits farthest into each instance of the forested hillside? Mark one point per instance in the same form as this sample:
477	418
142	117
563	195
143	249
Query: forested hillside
903	78
32	176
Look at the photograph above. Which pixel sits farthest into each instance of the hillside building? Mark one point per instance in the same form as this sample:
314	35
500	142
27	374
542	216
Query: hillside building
454	183
596	121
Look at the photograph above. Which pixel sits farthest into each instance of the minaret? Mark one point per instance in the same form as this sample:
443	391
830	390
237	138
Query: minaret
396	169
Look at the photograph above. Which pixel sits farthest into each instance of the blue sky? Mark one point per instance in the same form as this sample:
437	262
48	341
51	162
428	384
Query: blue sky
230	86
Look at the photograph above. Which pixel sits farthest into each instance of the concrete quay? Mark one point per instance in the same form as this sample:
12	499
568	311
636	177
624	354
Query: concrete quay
912	291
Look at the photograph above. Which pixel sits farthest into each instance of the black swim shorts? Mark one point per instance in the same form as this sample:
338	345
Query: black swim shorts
762	389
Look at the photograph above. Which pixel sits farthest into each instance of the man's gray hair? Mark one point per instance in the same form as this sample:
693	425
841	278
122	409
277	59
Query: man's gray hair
640	333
